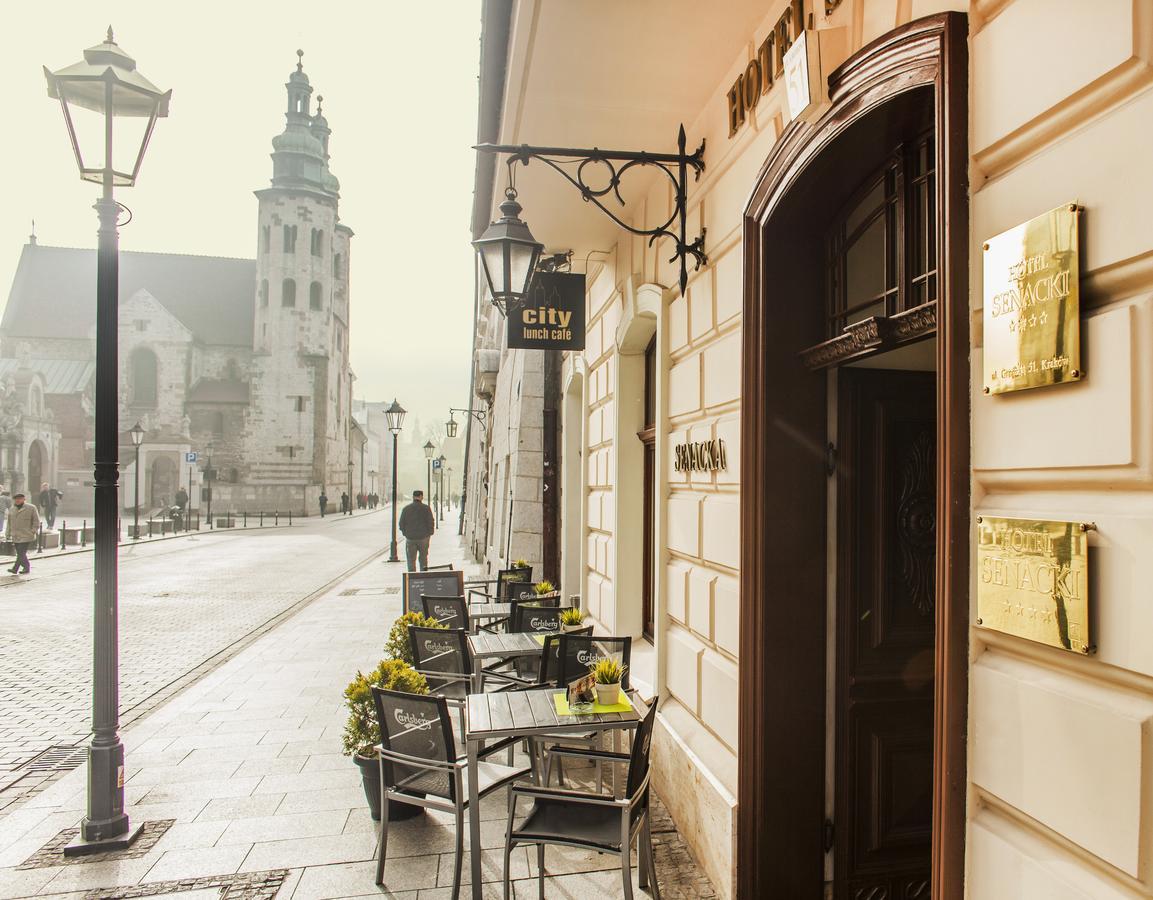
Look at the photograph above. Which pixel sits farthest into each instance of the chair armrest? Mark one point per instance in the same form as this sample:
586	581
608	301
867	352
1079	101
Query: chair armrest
418	761
591	754
523	789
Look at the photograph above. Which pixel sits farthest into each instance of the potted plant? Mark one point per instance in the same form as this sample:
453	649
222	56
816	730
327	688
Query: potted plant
608	674
545	589
362	731
571	619
397	646
519	564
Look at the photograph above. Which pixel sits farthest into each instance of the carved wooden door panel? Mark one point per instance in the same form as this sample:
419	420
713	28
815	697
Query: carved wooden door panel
885	634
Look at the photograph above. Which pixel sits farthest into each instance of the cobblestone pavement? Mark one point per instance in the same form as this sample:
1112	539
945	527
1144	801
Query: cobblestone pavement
181	602
242	776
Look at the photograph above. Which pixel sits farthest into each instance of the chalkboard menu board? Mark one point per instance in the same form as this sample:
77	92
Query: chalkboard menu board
435	584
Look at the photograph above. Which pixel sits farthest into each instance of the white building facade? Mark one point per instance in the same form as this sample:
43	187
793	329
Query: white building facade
835	720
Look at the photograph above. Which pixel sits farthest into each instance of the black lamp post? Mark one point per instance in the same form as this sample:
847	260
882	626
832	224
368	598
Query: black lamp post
209	474
348	505
440	489
394	415
137	440
450	488
103	89
429	450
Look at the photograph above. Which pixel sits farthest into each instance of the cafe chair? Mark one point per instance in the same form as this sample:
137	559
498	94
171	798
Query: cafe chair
532	618
419	764
591	820
451	612
550	676
501	585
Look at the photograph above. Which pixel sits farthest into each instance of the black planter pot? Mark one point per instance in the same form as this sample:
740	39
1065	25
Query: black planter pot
370	778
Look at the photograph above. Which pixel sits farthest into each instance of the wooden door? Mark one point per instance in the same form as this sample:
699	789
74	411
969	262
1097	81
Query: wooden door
886	575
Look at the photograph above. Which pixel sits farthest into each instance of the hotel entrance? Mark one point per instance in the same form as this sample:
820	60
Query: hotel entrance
854	570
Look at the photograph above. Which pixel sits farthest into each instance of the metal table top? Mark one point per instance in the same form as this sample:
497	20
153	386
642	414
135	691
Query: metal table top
524	713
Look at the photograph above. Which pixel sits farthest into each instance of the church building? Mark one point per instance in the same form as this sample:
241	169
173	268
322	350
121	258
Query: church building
242	362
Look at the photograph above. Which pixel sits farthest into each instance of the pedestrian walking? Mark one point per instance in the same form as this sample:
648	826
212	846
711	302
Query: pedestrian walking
417	524
344	502
323	500
21	529
5	505
182	500
49	499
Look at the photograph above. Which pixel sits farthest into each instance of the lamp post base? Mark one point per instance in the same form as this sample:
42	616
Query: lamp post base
392	553
81	847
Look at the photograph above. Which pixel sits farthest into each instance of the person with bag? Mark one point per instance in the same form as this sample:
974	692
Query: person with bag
21	529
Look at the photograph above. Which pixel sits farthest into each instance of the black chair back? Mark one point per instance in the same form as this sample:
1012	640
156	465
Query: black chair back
416	725
442	657
536	619
550	658
580	651
641	752
507	581
449	611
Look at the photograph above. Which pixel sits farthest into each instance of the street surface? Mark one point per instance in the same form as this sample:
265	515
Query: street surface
181	602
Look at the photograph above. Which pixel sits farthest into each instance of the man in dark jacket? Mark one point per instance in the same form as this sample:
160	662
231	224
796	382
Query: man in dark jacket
417	525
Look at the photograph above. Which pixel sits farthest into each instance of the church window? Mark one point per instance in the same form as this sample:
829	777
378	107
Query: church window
140	324
288	293
143	367
300	403
266	238
289	238
336	260
264	292
216	423
315	301
36	401
317	242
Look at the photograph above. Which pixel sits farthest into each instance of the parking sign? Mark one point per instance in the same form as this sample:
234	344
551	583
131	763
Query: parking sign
190	457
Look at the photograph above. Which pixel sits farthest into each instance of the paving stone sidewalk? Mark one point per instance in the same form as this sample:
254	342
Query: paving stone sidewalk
182	601
243	777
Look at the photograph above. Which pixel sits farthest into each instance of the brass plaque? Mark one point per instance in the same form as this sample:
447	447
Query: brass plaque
1033	580
1033	304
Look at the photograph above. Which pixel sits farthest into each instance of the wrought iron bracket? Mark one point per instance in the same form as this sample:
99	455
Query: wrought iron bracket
613	166
479	414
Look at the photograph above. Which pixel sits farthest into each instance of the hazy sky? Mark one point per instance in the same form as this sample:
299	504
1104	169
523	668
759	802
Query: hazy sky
399	86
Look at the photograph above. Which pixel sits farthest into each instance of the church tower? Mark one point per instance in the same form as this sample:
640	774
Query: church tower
301	389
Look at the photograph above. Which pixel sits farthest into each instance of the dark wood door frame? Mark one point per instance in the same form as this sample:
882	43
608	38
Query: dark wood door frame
780	843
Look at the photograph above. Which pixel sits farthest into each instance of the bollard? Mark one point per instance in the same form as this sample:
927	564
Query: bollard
63	528
290	517
40	540
276	519
245	518
83	532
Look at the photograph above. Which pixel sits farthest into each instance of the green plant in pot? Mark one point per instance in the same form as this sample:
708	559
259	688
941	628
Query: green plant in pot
608	674
571	619
362	731
545	589
519	564
397	646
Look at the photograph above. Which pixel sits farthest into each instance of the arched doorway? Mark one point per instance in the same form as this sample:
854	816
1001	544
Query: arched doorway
37	470
822	582
163	482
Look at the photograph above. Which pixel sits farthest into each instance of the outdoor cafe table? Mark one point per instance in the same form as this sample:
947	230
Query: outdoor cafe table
489	611
504	646
522	714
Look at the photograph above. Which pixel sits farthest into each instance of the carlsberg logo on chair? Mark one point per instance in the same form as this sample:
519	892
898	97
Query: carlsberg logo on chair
412	720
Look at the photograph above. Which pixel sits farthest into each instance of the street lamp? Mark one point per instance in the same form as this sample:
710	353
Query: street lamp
348	505
209	474
429	450
394	416
105	88
508	254
440	490
450	488
137	440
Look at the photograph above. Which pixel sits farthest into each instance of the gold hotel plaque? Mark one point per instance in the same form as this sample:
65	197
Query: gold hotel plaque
1033	580
1032	304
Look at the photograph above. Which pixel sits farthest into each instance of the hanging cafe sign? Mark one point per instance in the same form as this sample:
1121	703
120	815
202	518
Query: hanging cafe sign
1032	314
552	314
700	456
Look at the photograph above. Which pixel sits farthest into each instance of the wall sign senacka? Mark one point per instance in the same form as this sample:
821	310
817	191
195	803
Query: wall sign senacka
700	456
